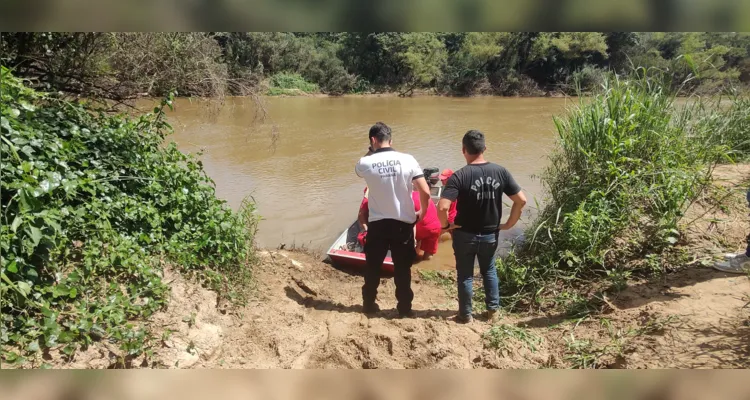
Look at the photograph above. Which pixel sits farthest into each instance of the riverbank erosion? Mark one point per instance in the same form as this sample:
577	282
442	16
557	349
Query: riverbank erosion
305	313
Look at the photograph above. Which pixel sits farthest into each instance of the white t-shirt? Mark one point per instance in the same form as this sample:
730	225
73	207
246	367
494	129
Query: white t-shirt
389	175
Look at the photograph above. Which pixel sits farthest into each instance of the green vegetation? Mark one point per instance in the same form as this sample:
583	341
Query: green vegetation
585	353
124	65
498	337
290	84
442	279
733	122
628	164
93	208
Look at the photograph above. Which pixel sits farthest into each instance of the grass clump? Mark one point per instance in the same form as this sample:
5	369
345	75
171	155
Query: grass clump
93	206
284	83
585	353
627	165
728	126
498	337
439	278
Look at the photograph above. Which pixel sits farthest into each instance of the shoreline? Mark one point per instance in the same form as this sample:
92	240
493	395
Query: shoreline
548	95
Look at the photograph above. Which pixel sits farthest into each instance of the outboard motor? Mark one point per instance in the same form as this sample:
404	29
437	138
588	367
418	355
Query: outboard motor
432	175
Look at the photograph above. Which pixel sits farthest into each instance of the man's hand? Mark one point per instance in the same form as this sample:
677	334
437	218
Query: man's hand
420	214
450	227
519	200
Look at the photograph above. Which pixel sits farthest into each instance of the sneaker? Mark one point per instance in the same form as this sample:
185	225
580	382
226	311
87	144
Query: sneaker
371	308
739	264
464	319
491	315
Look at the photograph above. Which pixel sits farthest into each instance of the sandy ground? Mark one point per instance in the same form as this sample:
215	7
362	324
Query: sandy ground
307	314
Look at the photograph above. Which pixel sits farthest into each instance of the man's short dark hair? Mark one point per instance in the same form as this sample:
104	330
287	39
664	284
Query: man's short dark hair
474	142
381	132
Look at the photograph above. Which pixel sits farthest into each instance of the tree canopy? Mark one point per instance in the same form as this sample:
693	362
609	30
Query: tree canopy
122	65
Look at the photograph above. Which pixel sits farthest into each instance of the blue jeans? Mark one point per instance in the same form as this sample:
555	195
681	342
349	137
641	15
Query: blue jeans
468	247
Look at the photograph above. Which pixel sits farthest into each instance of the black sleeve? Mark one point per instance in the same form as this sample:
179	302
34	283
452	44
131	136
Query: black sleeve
451	188
511	187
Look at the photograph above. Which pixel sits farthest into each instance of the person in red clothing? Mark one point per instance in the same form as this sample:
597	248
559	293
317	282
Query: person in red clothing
427	230
364	211
362	217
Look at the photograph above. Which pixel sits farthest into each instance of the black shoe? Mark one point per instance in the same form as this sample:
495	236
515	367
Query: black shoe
407	314
371	308
464	319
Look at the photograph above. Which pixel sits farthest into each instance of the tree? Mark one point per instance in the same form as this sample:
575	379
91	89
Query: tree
424	57
468	66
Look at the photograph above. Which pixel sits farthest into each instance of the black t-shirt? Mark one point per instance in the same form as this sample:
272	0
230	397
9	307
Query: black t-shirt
479	190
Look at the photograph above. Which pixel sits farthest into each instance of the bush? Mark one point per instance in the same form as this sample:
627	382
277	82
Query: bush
585	80
512	83
93	205
157	63
290	83
118	65
627	165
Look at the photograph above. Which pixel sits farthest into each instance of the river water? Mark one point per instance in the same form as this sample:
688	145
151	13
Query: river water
298	163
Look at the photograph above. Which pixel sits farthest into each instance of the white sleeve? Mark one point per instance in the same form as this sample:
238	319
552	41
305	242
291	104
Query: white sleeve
416	171
357	168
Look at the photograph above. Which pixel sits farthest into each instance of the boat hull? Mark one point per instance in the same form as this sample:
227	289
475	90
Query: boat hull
356	260
347	253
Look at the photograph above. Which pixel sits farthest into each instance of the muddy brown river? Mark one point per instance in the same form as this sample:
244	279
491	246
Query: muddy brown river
303	181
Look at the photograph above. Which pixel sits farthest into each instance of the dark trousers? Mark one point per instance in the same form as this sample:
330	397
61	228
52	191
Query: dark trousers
398	237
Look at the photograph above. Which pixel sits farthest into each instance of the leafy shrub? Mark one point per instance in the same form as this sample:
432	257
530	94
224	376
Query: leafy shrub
512	83
93	205
290	83
157	63
586	80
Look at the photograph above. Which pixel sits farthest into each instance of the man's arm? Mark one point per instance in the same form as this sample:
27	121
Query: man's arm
357	167
444	205
424	196
450	194
519	201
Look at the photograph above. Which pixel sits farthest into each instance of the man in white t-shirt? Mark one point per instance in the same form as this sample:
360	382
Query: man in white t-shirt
389	175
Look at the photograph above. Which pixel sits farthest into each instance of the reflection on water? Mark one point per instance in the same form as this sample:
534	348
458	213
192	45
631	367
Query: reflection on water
305	185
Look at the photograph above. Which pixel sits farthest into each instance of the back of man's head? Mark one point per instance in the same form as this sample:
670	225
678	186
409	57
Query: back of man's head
474	142
381	132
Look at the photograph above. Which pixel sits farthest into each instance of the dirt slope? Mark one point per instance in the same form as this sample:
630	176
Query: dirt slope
307	315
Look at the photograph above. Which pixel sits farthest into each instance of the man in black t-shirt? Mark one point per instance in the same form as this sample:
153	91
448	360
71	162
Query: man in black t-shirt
479	188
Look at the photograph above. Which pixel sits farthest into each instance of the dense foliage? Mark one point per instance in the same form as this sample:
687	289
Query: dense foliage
628	164
122	65
93	207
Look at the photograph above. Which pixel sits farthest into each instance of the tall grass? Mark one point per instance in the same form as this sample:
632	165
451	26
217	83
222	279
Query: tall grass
729	126
627	165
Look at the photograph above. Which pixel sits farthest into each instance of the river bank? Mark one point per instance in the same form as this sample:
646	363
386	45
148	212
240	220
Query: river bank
418	93
304	313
